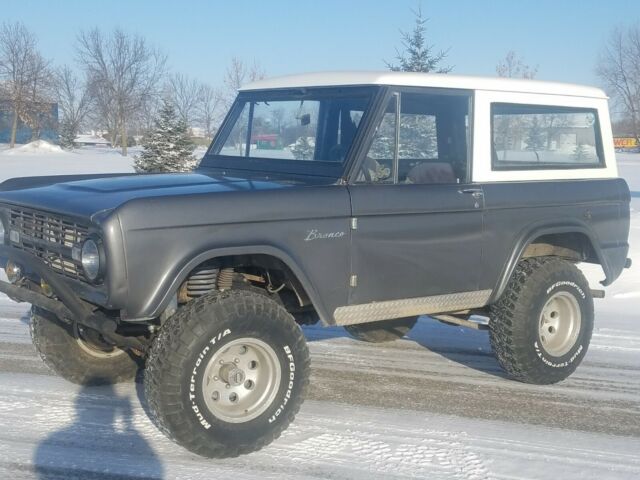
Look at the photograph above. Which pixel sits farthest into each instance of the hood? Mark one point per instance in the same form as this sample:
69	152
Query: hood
87	196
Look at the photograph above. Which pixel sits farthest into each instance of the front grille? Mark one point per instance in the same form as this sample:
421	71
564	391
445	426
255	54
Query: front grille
50	238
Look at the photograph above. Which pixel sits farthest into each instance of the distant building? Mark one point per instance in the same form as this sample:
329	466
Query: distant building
24	134
92	140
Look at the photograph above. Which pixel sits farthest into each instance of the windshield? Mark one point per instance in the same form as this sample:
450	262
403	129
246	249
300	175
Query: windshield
299	130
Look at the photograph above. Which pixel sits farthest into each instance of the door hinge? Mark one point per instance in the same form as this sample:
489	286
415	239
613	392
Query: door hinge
353	281
354	223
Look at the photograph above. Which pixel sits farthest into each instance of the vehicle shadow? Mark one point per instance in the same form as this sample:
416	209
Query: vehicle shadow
461	345
101	442
464	346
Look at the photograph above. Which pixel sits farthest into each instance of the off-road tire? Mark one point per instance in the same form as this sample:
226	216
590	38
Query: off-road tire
189	344
383	331
516	320
62	351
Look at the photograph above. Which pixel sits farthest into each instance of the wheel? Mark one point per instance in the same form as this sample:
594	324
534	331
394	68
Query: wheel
541	327
78	354
384	331
227	373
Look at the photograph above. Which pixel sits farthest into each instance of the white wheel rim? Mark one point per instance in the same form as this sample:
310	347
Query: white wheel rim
559	325
94	351
241	381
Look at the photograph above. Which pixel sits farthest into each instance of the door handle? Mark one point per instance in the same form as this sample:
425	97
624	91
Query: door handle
475	192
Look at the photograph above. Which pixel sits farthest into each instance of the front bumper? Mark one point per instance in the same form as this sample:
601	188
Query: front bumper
66	304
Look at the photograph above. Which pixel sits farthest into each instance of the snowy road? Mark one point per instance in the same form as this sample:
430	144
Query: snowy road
434	405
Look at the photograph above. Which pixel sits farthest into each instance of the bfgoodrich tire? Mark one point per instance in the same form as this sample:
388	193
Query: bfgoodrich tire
227	374
384	331
541	327
71	353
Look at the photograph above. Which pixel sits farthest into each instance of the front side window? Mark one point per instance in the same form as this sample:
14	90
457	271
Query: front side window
534	136
300	126
428	145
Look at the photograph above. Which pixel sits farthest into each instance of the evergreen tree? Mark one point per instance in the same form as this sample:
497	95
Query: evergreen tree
418	55
168	147
417	137
582	154
304	148
67	134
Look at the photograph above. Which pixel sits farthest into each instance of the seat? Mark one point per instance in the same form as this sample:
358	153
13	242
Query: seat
432	172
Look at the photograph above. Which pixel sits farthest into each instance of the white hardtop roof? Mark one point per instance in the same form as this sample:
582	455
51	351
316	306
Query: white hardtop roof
435	80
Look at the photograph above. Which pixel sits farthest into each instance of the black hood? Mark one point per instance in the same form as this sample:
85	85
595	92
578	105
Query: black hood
87	195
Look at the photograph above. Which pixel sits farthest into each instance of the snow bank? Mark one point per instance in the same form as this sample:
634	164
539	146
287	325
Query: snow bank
34	148
22	161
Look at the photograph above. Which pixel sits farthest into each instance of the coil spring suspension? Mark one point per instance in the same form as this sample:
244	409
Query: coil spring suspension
204	281
225	279
201	282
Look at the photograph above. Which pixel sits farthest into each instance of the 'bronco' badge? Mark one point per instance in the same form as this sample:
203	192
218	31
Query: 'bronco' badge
316	235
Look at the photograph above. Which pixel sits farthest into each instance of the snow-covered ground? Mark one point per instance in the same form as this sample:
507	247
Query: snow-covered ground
48	159
432	406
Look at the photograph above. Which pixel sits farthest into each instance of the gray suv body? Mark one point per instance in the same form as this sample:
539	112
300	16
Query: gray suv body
361	200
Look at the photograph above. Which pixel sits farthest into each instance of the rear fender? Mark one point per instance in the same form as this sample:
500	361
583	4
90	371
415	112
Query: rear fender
536	231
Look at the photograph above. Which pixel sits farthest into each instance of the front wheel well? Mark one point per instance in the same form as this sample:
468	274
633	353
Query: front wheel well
256	271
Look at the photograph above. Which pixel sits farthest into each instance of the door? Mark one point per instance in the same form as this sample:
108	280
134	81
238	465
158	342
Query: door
418	227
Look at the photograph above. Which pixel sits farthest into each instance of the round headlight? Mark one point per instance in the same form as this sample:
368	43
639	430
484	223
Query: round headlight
91	260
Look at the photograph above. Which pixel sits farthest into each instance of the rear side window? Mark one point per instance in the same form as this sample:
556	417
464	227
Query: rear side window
526	137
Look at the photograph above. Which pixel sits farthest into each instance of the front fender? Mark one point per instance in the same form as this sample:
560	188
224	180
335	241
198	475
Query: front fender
165	292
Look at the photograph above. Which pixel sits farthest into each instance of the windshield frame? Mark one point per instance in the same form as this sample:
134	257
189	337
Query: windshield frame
284	166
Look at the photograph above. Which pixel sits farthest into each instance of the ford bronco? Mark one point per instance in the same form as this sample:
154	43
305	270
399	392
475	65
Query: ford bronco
361	200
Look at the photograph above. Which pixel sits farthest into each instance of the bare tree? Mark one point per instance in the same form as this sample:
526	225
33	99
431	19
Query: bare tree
208	111
184	93
74	102
514	67
619	68
39	96
124	73
24	77
237	74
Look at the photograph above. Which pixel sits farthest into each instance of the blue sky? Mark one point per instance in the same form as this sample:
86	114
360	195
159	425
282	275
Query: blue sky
562	37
